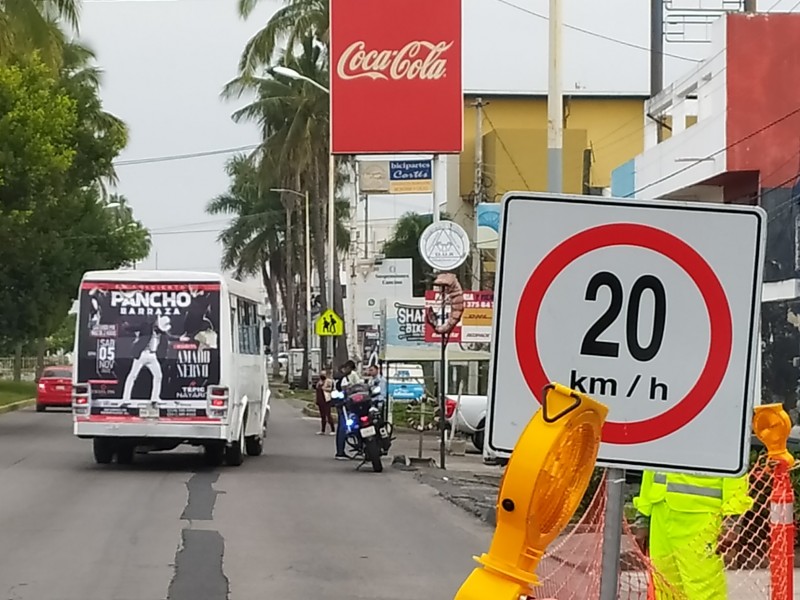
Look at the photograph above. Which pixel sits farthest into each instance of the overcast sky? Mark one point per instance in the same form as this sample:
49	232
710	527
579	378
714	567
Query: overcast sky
166	61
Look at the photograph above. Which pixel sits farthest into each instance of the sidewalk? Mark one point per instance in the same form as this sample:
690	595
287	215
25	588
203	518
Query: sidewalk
466	481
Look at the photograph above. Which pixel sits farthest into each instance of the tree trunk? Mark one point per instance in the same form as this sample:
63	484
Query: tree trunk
306	342
41	348
291	318
18	362
318	222
275	317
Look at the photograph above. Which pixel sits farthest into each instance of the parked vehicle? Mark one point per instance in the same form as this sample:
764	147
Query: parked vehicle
165	358
54	388
467	414
369	436
405	382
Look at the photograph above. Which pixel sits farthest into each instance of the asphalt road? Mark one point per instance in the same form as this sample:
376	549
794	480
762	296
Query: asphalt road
293	524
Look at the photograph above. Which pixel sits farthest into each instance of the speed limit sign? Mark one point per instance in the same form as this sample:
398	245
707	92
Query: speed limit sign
649	307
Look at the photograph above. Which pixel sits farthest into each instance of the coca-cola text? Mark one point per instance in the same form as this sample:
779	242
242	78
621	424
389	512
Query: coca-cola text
415	60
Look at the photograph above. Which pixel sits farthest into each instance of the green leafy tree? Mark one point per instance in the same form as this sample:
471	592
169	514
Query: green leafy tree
37	123
56	147
62	340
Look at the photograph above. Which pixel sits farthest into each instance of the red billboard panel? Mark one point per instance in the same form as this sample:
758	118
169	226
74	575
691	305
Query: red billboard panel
475	326
396	77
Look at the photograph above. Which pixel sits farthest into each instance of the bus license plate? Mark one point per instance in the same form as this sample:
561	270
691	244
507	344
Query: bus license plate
147	412
367	432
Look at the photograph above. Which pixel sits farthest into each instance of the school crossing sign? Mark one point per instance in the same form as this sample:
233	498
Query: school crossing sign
650	307
329	324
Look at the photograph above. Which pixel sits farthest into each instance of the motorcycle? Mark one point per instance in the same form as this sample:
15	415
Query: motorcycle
368	435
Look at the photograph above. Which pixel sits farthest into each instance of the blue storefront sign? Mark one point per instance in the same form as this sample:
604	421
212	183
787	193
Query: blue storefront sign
410	176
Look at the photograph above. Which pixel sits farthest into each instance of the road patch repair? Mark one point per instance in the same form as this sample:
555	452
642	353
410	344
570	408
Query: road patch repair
198	562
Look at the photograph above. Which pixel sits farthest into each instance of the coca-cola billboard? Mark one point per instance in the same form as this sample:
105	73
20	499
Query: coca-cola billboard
396	77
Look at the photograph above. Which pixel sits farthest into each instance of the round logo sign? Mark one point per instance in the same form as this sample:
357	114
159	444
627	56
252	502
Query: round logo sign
444	245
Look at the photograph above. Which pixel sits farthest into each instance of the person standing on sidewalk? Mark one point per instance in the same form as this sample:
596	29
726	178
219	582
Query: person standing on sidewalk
686	521
323	397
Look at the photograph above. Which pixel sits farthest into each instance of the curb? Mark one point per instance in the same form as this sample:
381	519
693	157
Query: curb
7	408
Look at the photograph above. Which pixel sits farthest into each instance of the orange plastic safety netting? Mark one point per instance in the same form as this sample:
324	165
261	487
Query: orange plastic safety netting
571	568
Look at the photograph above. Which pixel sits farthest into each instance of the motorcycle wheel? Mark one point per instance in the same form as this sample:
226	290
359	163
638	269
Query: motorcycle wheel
372	451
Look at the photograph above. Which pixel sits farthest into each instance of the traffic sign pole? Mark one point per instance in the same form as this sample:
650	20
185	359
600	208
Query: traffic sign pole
612	534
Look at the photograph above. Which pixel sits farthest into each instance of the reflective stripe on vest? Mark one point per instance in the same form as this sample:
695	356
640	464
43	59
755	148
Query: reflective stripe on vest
685	488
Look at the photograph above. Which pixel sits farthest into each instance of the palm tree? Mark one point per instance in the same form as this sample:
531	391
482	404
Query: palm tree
293	118
34	25
290	27
253	241
81	77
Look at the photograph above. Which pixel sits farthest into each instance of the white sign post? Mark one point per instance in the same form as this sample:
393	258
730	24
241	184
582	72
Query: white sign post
650	307
444	245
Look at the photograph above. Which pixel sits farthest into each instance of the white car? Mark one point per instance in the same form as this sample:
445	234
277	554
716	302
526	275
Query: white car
467	414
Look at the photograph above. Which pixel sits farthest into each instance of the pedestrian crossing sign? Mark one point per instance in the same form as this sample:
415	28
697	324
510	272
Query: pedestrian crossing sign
329	324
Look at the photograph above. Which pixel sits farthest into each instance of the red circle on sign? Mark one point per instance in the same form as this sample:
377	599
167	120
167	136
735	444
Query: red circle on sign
657	240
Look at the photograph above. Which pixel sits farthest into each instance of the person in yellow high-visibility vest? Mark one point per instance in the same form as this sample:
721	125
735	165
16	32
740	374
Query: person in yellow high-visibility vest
684	517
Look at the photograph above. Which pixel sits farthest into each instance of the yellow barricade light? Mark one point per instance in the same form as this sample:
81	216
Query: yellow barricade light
772	426
545	480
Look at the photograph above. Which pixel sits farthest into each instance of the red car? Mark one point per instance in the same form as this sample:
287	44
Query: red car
55	388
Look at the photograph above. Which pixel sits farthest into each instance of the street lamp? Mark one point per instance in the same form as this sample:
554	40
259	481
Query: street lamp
308	258
292	74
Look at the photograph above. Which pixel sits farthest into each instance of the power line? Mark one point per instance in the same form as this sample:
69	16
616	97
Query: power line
597	34
172	157
713	154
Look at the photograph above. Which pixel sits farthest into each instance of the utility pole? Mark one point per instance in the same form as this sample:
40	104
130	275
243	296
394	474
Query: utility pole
657	54
332	263
479	193
555	102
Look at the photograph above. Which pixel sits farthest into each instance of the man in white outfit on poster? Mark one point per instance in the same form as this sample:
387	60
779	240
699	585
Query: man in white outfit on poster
149	343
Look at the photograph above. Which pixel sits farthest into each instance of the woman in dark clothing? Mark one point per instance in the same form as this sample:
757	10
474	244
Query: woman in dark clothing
324	387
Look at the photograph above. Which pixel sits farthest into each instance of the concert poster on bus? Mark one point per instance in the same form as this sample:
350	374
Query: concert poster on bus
156	341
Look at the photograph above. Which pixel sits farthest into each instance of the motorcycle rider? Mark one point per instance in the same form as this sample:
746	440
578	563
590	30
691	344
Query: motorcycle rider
377	380
341	380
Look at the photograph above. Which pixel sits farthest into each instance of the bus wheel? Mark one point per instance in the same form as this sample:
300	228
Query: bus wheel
234	454
103	450
255	444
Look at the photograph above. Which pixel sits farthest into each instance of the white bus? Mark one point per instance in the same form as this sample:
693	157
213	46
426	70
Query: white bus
164	358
